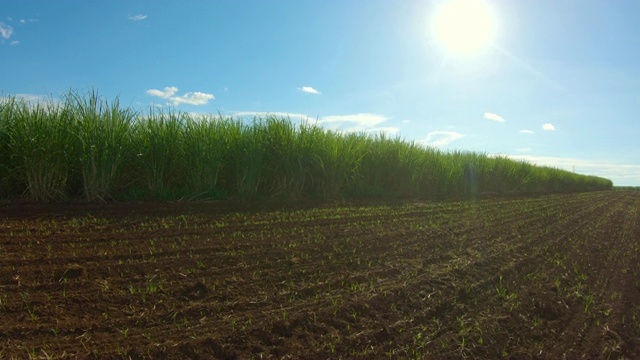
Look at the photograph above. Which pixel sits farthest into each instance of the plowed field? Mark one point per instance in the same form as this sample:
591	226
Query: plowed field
548	277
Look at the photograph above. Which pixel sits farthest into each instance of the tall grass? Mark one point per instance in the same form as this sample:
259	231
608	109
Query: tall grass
158	140
205	145
338	163
246	159
86	146
102	132
7	107
40	147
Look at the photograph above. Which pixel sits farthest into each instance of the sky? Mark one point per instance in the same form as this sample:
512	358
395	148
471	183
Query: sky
555	83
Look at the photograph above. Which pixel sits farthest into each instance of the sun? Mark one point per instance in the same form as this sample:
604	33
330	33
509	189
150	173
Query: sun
464	27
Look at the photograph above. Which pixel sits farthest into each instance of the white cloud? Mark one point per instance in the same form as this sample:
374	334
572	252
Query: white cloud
523	150
309	90
353	123
441	138
494	117
264	114
526	131
24	21
32	97
5	31
548	127
166	94
190	98
620	174
343	123
390	130
137	17
14	43
364	120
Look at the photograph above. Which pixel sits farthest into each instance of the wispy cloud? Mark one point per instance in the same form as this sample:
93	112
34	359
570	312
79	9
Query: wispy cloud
494	117
190	98
441	138
5	31
137	17
264	114
526	131
364	120
390	130
309	90
548	127
166	93
523	150
620	174
31	98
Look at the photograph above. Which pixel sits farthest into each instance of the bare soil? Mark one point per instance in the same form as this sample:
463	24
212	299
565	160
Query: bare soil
549	277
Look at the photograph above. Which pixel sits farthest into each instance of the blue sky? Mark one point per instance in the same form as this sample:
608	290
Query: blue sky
558	83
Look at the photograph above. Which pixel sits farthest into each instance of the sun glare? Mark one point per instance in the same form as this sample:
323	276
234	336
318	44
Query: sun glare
464	27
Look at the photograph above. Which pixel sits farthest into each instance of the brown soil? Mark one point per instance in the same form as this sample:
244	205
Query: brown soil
546	278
